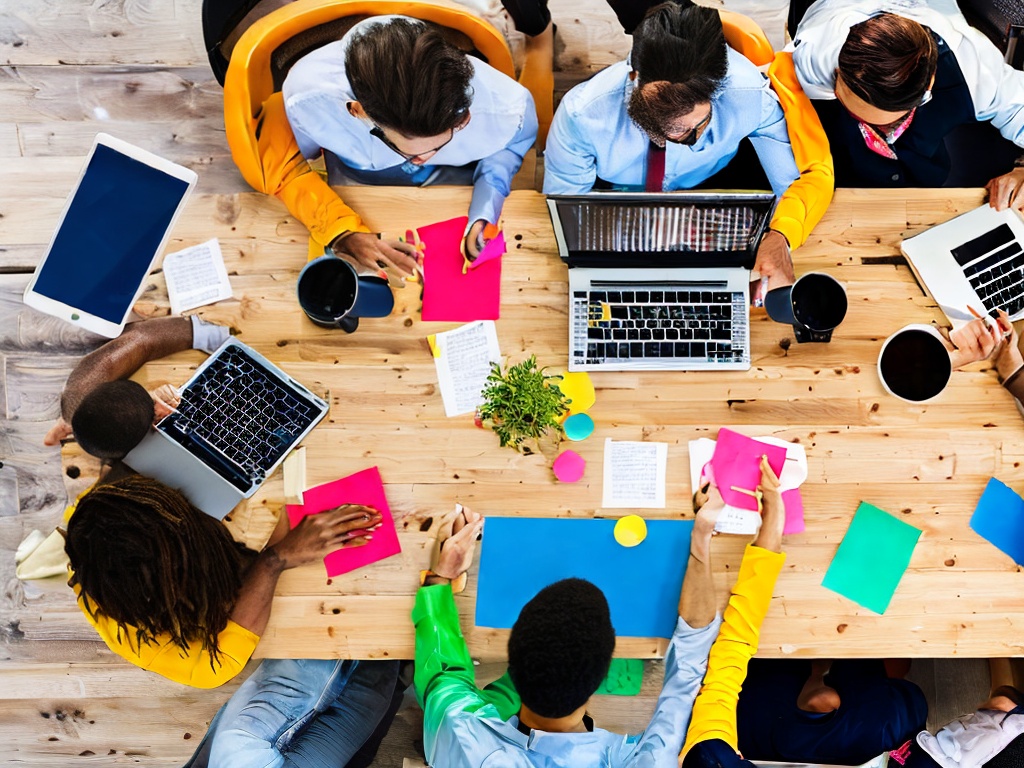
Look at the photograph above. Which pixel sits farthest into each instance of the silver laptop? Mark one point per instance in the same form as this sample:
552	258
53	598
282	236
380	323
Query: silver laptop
239	417
976	260
659	281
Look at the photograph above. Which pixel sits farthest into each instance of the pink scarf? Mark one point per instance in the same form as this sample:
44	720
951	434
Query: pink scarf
879	144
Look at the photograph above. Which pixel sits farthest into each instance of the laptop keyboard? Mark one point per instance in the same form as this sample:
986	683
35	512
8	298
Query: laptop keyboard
243	412
617	326
998	277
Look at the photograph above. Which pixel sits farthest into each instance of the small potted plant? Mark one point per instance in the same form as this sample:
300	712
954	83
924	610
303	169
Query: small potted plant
524	406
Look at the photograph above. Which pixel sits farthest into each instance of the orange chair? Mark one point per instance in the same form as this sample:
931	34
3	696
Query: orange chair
261	141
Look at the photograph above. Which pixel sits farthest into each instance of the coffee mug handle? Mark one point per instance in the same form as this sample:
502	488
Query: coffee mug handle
348	323
779	304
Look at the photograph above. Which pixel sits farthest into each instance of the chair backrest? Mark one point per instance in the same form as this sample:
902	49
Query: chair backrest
744	35
250	78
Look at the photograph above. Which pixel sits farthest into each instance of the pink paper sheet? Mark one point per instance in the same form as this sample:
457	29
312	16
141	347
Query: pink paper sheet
361	488
737	462
794	511
447	293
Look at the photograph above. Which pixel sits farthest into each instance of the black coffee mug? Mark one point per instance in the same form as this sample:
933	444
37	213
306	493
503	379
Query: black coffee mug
814	305
333	296
914	364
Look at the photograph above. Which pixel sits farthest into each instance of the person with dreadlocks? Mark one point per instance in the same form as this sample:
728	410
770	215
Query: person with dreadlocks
168	589
108	414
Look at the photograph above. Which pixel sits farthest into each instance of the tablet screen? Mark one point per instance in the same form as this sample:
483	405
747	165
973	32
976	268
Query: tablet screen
110	233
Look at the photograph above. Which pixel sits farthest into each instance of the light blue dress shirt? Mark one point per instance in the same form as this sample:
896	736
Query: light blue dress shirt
474	736
593	137
501	129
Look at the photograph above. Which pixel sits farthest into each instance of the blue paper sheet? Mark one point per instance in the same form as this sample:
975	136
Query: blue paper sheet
999	518
521	556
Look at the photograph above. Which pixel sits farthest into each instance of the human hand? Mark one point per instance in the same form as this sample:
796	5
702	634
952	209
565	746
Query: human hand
165	401
974	342
474	238
60	430
1007	190
1008	357
774	262
316	536
376	254
456	541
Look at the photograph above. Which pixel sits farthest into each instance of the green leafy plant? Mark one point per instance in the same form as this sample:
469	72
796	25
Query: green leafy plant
523	403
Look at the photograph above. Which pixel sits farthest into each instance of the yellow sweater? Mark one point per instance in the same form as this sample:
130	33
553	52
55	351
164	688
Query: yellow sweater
235	645
714	711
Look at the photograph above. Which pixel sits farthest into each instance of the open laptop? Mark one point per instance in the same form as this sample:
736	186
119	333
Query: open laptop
238	418
976	259
659	281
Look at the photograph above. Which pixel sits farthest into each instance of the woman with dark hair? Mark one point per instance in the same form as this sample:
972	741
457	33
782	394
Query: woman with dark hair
890	81
168	589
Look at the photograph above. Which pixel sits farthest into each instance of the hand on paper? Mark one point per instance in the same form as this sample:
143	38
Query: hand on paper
978	340
773	509
774	262
474	241
708	504
165	401
457	541
375	254
60	430
1007	190
316	536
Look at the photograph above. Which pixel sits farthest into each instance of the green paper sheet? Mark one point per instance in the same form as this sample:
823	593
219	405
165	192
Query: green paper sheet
625	677
872	558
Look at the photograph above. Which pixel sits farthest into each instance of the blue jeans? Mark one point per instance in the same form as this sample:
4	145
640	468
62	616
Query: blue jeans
302	713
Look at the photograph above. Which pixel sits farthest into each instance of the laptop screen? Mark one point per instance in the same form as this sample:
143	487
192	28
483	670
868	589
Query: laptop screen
660	230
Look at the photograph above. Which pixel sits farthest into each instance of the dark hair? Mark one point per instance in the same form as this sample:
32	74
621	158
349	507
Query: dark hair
409	79
1011	756
888	61
149	560
679	54
113	419
561	647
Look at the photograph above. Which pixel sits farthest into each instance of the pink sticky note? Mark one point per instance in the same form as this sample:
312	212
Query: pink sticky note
447	293
493	250
361	488
569	466
794	511
737	462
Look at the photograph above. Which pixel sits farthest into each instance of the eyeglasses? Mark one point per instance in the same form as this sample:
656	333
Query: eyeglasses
378	132
690	137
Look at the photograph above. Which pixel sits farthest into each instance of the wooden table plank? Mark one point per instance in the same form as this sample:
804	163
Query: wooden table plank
925	463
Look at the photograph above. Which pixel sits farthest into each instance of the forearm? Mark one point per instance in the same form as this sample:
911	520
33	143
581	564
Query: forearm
252	609
123	356
697	598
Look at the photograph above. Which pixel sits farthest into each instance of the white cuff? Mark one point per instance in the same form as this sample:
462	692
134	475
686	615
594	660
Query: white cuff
207	336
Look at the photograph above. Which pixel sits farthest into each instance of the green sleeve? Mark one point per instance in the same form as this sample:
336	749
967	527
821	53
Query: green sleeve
444	680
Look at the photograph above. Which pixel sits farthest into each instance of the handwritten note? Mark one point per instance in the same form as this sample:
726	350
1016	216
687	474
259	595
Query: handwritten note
634	474
463	360
196	277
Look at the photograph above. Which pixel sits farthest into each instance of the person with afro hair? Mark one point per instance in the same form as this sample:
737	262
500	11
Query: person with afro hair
560	650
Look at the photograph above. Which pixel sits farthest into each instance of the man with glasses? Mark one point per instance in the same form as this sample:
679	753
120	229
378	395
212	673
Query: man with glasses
393	103
890	81
686	111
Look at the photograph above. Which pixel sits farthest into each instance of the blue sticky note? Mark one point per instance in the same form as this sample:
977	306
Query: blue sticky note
999	518
579	426
520	556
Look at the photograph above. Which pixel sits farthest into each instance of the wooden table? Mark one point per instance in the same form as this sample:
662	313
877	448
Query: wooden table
927	464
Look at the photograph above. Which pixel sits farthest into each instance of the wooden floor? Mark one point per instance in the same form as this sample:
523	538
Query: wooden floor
136	68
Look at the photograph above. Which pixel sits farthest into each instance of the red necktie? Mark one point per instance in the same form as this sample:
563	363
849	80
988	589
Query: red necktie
655	168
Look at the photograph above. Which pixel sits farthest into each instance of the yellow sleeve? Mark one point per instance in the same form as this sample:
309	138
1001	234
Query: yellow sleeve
807	199
714	711
235	644
275	165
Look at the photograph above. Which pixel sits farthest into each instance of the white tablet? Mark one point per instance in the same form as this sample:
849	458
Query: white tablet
113	226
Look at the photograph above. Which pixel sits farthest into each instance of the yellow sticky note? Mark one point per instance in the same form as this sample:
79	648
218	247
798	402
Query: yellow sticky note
606	311
630	530
578	387
432	341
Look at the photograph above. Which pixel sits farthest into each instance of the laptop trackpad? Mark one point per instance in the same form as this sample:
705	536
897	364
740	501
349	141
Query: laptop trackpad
164	460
